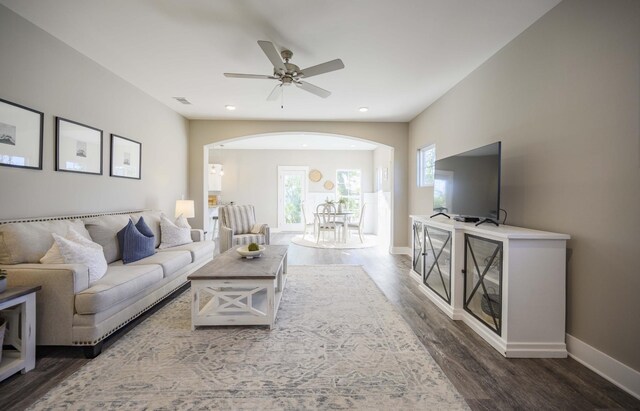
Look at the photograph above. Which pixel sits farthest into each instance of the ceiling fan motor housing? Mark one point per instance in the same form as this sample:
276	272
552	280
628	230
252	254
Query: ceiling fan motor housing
288	73
293	72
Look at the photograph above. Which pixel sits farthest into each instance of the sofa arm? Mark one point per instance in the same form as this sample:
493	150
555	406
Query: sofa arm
197	235
267	233
225	235
55	302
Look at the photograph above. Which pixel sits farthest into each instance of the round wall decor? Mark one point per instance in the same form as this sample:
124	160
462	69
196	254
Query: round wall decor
315	175
328	185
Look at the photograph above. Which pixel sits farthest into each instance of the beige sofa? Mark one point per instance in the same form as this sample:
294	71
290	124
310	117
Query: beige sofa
70	311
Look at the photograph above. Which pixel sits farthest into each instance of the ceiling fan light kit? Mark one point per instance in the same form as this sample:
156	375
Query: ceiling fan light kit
288	73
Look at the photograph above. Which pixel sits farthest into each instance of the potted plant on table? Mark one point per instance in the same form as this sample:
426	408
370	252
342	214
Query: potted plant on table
341	203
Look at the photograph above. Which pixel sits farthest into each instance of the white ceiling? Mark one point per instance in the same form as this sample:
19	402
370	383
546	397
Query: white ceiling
297	141
400	56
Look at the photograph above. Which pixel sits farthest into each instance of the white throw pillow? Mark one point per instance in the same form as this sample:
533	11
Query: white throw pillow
173	235
181	221
85	252
53	255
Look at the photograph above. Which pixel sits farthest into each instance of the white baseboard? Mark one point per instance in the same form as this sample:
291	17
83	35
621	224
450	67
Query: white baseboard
609	368
401	250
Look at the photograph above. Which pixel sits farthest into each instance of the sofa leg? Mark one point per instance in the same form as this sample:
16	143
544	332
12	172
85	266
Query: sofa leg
92	351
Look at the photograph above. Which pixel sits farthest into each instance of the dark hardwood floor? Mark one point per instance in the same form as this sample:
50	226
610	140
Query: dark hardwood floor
486	379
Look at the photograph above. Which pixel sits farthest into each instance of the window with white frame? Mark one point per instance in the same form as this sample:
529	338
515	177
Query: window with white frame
426	162
349	188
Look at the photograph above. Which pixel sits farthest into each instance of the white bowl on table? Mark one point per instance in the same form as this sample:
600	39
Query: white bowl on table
244	251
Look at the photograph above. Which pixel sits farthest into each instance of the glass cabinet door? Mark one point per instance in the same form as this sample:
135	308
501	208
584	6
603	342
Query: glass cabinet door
418	248
483	280
437	271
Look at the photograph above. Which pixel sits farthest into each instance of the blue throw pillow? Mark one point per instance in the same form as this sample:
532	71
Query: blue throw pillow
144	229
136	241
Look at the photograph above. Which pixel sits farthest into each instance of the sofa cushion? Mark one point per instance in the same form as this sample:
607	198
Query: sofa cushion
103	230
198	250
170	261
172	234
152	218
248	239
29	242
136	241
118	284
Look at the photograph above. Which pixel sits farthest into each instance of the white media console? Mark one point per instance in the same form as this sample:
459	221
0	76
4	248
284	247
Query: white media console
507	283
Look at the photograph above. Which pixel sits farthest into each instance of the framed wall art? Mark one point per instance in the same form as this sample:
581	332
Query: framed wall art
20	136
78	147
126	158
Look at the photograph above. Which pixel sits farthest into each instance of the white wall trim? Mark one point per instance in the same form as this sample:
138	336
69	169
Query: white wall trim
401	250
609	368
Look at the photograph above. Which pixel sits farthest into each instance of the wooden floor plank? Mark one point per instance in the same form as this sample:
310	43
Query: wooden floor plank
486	379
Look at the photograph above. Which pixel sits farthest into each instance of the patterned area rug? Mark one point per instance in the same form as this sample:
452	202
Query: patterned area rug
337	344
353	242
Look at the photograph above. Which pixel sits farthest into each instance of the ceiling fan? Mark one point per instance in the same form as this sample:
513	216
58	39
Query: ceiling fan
288	73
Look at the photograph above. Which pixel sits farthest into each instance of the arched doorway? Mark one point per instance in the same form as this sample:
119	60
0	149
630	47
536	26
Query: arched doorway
250	165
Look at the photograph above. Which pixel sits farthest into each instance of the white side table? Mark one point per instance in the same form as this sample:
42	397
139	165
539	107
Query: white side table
19	305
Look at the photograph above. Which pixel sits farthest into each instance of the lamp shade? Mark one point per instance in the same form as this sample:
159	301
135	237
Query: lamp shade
186	208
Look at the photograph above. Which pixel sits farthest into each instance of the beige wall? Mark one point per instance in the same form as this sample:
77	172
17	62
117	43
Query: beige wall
40	72
564	98
383	159
203	132
251	176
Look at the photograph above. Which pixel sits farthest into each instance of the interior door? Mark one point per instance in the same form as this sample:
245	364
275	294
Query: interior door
292	191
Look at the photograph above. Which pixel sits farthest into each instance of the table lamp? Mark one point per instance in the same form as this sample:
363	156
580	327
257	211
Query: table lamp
186	208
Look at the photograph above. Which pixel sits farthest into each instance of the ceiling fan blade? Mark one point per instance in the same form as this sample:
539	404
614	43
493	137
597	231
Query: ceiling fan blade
332	65
320	92
275	93
272	54
258	76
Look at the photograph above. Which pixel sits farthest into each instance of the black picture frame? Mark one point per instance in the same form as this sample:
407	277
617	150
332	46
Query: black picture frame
78	147
126	158
21	129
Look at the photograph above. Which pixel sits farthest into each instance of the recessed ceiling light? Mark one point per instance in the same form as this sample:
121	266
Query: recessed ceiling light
304	145
230	107
363	109
352	145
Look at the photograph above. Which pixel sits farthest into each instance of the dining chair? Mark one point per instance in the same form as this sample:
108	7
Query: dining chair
326	214
359	225
305	220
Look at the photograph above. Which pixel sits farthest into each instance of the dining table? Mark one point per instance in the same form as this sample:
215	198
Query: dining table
345	216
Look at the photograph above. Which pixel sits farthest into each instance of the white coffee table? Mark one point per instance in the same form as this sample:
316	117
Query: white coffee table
231	290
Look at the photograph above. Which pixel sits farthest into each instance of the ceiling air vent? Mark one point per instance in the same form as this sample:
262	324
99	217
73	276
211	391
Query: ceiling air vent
182	100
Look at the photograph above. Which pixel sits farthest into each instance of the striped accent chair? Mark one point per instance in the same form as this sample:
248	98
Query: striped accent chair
236	226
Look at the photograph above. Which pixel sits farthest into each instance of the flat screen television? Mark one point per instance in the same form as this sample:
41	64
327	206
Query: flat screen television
468	184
